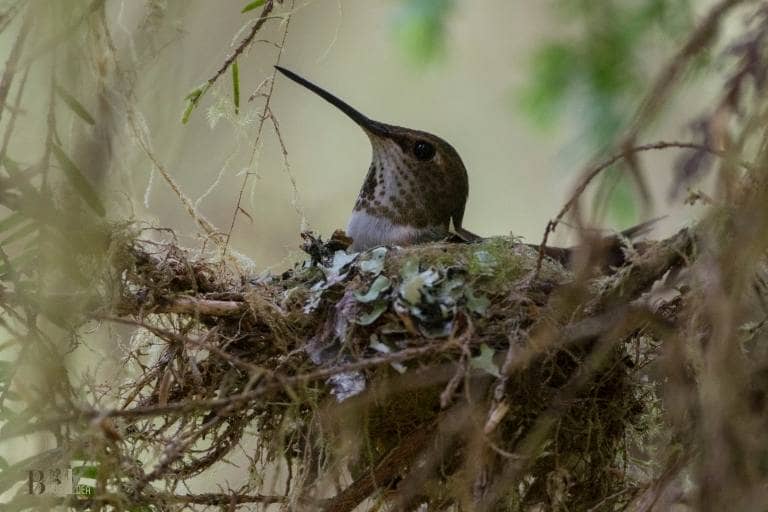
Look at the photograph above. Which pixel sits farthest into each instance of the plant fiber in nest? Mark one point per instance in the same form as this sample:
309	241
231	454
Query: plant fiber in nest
442	373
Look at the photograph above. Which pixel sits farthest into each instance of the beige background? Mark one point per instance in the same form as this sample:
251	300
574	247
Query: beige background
519	176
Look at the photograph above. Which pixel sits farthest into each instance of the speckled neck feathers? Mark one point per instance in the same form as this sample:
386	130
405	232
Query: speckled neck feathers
409	192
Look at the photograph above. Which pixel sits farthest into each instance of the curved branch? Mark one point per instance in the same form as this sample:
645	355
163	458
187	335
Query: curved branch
597	169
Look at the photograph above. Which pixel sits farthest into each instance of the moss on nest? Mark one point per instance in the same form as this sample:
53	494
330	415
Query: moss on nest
400	339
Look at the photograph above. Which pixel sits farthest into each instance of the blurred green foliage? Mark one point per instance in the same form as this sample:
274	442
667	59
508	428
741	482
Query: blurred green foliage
252	5
602	61
420	29
596	65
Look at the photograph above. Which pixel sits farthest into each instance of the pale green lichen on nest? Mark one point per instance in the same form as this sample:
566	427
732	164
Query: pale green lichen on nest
459	308
496	261
430	282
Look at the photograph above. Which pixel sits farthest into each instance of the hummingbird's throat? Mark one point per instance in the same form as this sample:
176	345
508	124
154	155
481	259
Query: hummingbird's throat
389	187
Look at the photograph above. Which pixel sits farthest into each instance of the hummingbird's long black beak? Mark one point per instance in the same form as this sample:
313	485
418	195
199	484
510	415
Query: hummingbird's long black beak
364	122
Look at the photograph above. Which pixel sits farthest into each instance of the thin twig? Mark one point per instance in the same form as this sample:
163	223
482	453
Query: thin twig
259	130
201	307
141	136
246	42
594	171
213	499
270	383
185	340
649	107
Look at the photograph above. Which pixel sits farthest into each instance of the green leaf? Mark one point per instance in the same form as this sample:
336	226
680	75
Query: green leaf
485	361
75	105
79	181
373	315
379	285
4	464
252	5
193	98
236	86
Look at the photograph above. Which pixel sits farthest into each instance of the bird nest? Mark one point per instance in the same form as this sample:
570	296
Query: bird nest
444	374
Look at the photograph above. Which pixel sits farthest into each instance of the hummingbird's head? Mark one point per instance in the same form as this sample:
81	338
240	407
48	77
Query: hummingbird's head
415	178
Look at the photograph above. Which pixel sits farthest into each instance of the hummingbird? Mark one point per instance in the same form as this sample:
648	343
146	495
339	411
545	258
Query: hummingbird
416	188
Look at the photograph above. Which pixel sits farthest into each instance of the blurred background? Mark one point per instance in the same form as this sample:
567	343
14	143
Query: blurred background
527	92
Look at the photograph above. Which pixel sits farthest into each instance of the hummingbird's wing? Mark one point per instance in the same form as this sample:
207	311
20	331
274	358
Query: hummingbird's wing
609	250
466	235
457	217
641	229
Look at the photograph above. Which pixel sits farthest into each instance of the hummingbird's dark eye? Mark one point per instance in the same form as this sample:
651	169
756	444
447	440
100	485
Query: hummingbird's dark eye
423	150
